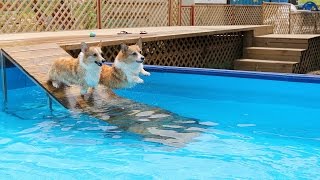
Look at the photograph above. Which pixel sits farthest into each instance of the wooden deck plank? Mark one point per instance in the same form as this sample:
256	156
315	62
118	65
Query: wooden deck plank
72	39
264	65
40	54
111	32
276	44
274	57
274	51
291	36
39	60
32	48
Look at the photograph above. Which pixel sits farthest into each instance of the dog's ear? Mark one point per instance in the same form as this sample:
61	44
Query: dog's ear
139	43
124	48
84	47
100	44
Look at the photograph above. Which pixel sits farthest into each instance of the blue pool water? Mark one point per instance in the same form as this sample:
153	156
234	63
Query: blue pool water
254	129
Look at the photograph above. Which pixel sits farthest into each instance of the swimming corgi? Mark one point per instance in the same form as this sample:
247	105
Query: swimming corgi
84	70
126	68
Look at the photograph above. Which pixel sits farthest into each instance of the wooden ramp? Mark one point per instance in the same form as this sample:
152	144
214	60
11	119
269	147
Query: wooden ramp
35	61
151	123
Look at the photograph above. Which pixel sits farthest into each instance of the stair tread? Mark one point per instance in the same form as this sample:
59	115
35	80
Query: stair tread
289	36
266	61
276	49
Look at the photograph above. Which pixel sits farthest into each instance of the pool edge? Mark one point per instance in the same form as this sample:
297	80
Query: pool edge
236	73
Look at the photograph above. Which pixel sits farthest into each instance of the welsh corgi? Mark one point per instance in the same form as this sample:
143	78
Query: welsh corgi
128	64
83	71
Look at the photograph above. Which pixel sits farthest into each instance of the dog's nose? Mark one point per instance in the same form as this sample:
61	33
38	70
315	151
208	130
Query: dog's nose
103	60
98	63
142	58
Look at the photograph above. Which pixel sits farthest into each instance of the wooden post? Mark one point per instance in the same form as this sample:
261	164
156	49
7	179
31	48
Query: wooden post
180	17
192	16
290	16
315	24
99	14
248	38
233	14
170	12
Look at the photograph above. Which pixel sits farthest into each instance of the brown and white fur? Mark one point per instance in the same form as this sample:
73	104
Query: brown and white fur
126	68
83	71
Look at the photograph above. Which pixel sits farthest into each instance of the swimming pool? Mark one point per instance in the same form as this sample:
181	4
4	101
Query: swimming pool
229	127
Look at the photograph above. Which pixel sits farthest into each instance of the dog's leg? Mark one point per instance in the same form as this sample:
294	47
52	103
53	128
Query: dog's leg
136	79
67	84
83	90
92	89
55	84
144	72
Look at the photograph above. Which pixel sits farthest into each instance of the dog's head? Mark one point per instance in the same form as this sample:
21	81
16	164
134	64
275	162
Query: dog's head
92	54
131	54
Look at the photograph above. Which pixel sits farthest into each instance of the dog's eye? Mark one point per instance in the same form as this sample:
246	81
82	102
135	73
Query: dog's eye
94	54
134	54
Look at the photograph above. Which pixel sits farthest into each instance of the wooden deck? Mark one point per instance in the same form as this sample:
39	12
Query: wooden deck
34	53
69	40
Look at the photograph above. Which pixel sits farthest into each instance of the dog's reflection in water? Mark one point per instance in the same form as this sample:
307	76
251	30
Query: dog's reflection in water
152	123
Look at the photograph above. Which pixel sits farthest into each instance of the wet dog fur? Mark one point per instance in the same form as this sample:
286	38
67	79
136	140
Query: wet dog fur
124	72
83	71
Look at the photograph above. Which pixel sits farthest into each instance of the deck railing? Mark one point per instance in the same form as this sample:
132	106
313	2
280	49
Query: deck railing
54	15
208	15
286	21
47	15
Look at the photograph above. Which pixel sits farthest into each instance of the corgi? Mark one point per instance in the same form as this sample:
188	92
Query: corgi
124	72
83	71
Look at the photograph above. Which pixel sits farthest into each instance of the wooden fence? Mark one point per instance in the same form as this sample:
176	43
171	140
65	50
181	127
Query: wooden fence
208	51
208	15
54	15
286	21
279	15
45	15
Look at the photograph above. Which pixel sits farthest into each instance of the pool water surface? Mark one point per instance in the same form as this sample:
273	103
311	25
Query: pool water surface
240	128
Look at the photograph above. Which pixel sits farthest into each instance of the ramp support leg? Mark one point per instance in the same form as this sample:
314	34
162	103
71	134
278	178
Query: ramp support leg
3	80
49	103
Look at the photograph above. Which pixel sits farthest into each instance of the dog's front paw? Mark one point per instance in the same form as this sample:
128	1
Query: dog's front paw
55	84
146	73
139	81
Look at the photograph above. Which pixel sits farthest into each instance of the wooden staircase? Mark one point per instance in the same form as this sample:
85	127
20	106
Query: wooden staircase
273	53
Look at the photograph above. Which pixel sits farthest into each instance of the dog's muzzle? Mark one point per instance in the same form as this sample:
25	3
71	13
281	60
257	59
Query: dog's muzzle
140	61
98	63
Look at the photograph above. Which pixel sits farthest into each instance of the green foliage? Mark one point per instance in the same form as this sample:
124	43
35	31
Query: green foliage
304	1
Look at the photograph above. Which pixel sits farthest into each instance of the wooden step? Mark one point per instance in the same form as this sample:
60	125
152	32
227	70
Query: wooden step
276	41
264	65
278	51
278	54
